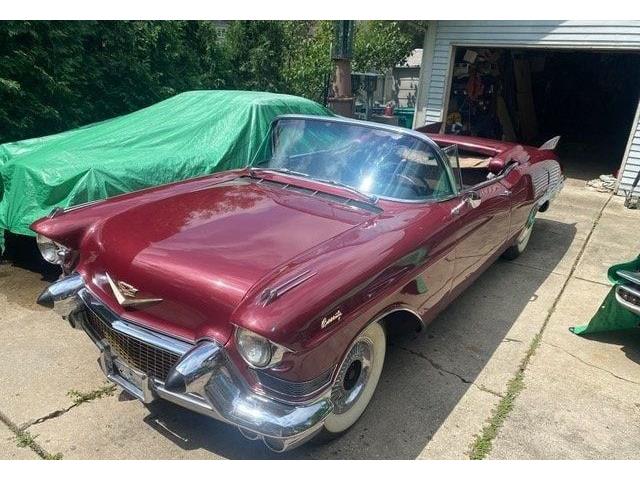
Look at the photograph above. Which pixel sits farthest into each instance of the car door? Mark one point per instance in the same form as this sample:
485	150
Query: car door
482	219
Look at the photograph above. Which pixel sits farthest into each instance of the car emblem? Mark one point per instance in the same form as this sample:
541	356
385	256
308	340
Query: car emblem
126	294
326	321
127	290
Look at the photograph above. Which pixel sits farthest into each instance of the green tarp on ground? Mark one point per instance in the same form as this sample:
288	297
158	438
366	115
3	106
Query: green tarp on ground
611	315
189	135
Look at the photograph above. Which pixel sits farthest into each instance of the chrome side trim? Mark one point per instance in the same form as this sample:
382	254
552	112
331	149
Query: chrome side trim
269	295
400	308
633	277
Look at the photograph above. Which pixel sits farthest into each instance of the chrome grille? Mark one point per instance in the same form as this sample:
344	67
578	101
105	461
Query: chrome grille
153	361
293	389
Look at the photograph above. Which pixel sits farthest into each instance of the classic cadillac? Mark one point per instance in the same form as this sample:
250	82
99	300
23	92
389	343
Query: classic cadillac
263	297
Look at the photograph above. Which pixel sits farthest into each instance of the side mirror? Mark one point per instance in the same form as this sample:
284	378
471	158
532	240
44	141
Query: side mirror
496	166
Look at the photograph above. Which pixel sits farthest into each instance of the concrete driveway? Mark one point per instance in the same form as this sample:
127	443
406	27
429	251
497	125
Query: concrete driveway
497	375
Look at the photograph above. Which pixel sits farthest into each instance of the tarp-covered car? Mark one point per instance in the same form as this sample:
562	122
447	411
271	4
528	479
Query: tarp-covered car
192	134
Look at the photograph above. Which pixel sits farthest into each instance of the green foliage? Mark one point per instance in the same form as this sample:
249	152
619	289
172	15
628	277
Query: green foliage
255	51
380	45
57	75
308	64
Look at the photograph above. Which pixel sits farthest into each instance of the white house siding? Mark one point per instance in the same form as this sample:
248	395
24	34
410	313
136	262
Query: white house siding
406	85
551	34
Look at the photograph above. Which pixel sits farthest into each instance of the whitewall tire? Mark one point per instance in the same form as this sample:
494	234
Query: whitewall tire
515	250
357	379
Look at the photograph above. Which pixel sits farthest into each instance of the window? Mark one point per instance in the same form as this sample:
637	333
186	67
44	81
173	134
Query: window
375	161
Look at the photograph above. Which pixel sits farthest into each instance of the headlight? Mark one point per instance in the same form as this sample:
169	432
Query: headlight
51	251
256	350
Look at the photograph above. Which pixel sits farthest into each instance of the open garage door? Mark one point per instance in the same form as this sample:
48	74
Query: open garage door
530	95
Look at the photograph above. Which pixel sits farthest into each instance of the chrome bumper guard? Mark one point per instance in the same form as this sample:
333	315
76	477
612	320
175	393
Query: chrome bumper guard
204	380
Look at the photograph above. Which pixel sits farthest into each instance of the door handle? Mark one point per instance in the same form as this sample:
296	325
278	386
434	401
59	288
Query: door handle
470	198
506	193
458	208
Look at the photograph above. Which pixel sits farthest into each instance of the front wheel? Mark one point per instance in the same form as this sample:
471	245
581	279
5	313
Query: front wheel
356	381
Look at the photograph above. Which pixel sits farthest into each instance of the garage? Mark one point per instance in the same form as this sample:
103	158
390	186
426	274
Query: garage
530	81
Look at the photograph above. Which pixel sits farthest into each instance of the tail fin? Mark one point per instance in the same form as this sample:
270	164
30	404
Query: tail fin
550	144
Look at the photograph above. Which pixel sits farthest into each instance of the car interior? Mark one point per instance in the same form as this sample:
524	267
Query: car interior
474	168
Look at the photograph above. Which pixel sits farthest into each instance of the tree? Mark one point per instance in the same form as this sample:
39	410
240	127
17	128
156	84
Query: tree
255	51
308	64
380	45
59	75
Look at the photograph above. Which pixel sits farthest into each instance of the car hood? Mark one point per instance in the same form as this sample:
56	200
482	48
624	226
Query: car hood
202	250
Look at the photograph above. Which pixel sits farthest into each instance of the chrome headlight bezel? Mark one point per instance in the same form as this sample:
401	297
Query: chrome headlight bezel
270	355
52	251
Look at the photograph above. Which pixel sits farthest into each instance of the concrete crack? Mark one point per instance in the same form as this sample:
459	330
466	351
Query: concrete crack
78	399
509	340
440	368
481	446
49	416
591	364
25	439
488	390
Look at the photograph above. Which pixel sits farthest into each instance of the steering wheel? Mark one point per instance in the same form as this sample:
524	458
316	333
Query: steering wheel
418	189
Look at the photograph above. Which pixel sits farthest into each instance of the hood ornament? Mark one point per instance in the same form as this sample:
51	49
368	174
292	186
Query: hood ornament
127	295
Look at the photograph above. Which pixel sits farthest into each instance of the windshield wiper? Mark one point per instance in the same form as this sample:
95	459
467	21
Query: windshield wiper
371	198
286	171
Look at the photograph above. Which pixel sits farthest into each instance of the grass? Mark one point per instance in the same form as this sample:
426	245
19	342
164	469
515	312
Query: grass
24	439
82	397
481	447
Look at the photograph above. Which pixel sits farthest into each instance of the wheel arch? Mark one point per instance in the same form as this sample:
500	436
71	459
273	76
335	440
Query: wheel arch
400	319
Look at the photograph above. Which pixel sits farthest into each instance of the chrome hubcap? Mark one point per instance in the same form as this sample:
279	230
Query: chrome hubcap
352	376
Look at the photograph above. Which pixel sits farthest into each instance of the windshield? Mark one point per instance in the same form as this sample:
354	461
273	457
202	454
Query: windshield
370	160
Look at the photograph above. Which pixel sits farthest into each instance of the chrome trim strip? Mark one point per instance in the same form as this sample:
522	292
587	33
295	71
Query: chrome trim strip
400	308
289	398
269	295
633	277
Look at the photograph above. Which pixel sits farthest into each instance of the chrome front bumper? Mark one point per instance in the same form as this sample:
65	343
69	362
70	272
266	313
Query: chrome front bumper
204	379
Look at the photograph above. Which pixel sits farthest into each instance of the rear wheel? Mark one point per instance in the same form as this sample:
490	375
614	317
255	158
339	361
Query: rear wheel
356	381
515	250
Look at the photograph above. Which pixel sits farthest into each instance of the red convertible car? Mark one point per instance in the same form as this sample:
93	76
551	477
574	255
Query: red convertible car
263	297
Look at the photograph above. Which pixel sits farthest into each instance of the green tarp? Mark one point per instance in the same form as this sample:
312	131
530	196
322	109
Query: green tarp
189	135
611	315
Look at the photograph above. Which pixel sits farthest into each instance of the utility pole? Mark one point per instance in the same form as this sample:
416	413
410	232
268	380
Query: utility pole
342	100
